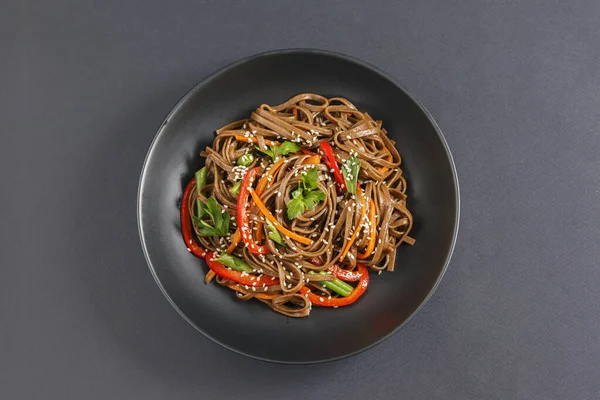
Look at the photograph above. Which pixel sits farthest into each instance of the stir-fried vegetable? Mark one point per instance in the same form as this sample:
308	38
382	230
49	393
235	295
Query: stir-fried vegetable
306	196
340	301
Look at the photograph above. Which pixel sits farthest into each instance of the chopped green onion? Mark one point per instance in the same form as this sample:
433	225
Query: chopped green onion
274	234
200	183
246	160
234	263
336	285
235	189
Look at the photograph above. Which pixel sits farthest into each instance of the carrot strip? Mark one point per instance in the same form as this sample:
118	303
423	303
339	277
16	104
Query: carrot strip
264	181
263	184
209	276
372	233
235	240
253	139
357	229
388	157
260	233
312	160
263	209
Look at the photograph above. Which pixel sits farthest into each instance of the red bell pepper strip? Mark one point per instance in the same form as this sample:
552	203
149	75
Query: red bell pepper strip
345	275
186	221
236	276
306	151
333	165
340	301
340	273
242	214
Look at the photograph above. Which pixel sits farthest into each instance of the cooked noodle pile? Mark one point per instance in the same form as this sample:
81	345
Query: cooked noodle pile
296	202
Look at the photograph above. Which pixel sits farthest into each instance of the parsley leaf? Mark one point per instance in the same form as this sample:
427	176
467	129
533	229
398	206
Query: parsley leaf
284	149
306	196
212	208
234	263
267	151
219	218
350	170
312	198
295	207
310	179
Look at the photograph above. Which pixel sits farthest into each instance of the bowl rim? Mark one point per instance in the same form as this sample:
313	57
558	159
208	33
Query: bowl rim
311	51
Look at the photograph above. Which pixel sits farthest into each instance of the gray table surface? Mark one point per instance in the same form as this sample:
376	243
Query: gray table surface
515	86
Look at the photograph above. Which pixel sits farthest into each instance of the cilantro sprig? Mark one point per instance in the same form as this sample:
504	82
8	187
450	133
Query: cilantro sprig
350	170
219	219
283	149
306	196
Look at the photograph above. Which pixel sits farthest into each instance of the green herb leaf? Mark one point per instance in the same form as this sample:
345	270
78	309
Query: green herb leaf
306	196
222	224
297	193
234	263
310	179
219	218
203	228
213	209
312	198
295	207
274	234
268	152
245	160
350	170
235	189
285	148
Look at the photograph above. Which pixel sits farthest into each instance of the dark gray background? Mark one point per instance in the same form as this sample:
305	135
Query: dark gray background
515	86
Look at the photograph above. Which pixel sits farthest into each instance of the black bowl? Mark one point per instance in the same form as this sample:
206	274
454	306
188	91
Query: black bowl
251	328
